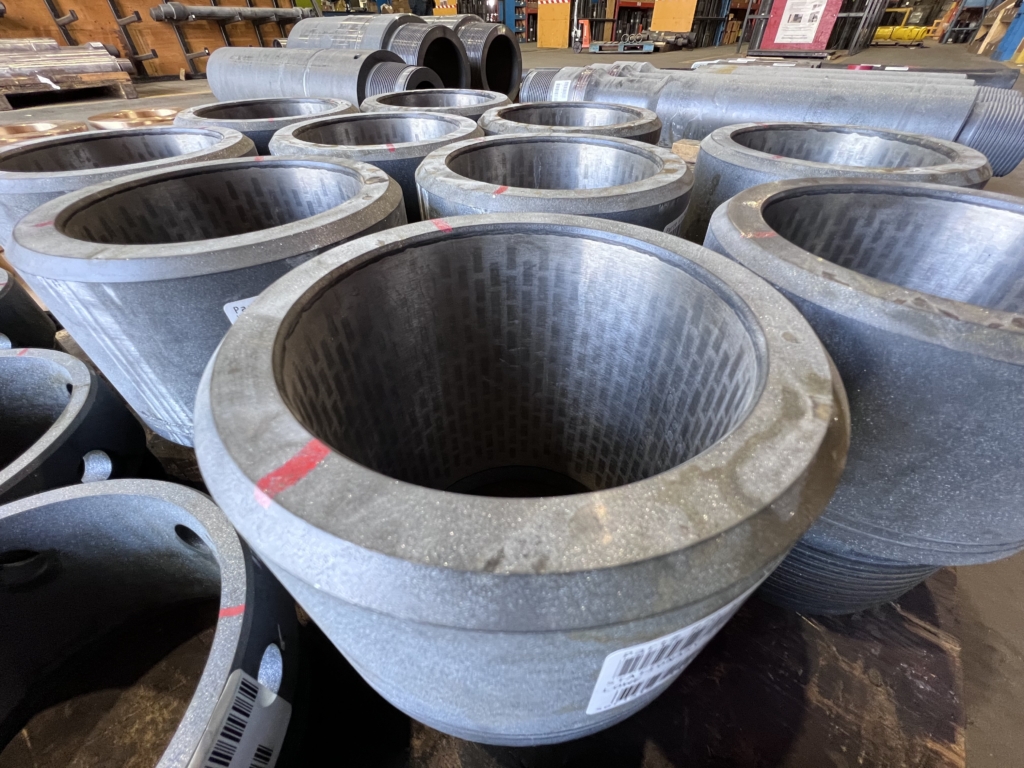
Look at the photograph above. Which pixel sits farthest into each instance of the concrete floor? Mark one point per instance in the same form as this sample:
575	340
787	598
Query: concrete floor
992	596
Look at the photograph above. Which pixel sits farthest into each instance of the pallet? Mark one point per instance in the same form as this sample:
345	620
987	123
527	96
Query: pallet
647	47
115	83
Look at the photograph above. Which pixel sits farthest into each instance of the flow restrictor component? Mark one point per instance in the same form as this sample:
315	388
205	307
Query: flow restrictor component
395	142
130	580
573	118
34	172
452	101
259	119
58	418
738	157
495	60
606	178
526	445
915	289
256	73
23	323
149	271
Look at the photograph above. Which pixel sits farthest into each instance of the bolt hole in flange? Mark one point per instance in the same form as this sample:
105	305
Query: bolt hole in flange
191	538
271	670
19	568
96	466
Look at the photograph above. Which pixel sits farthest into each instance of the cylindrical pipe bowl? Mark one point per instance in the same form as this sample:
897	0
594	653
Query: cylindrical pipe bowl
259	119
395	142
497	478
452	101
574	118
738	157
148	272
140	613
36	171
606	178
915	289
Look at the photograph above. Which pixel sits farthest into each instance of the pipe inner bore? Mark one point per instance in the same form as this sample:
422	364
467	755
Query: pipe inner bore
957	250
841	147
198	204
568	115
483	365
33	394
542	163
376	128
264	109
434	99
86	151
446	60
499	66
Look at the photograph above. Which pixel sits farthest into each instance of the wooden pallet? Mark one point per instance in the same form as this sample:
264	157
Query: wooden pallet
116	83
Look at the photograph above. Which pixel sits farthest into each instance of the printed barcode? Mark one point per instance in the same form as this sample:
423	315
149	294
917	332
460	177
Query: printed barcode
645	685
262	757
231	733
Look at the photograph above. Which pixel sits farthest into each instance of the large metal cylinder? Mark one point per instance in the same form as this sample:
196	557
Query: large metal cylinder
149	271
23	323
573	118
259	119
33	172
180	12
495	60
61	425
452	101
141	588
526	446
915	289
395	142
368	32
256	73
738	157
607	178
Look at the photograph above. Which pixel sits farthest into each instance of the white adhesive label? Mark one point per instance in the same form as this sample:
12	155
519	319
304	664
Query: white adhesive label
560	90
234	309
247	728
639	669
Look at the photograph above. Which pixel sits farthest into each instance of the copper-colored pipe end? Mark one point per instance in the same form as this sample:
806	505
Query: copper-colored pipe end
133	118
9	134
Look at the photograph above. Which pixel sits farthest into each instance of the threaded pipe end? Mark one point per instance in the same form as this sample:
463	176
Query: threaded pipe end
995	127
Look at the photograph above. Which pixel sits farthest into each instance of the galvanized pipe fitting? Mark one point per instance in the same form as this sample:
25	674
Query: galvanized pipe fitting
34	172
103	582
395	142
573	118
607	178
61	425
255	73
495	60
259	119
149	271
450	101
738	157
23	323
915	289
437	48
524	446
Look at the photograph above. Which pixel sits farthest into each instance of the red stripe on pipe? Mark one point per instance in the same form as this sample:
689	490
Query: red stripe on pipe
289	473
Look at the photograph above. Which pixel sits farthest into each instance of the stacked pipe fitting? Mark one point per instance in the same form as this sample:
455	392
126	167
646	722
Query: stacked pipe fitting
573	118
915	289
494	57
452	101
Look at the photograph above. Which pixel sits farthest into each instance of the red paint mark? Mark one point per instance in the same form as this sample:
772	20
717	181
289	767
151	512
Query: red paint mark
759	235
21	352
442	225
260	158
289	473
234	610
43	223
390	147
501	190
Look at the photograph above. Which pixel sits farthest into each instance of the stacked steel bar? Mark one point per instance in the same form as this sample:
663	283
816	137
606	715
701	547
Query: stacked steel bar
20	61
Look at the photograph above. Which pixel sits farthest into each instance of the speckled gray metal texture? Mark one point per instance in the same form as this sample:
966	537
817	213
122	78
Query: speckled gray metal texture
23	323
140	271
916	291
110	551
465	102
368	33
395	142
259	119
573	118
608	178
33	172
738	157
358	391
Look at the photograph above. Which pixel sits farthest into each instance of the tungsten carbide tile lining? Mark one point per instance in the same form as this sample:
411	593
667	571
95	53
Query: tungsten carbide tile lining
470	350
563	117
111	551
127	261
452	101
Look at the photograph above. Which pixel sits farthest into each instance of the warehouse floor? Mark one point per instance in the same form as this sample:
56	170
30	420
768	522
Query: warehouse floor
991	597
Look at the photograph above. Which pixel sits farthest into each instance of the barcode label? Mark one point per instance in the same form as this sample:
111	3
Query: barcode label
560	90
631	672
247	727
234	309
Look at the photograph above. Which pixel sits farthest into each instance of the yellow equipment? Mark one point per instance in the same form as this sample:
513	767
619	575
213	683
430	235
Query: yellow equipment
894	28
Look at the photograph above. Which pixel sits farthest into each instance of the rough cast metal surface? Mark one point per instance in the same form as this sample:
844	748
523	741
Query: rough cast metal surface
259	119
395	142
915	289
256	73
54	412
495	60
142	270
450	101
86	565
692	105
23	323
34	172
607	178
738	157
654	466
365	32
574	118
